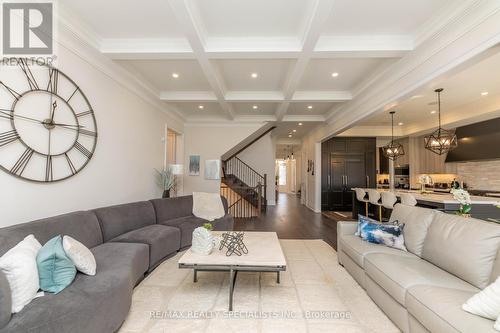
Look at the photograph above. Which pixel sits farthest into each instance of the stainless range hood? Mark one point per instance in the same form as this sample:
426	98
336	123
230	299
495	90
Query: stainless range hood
476	142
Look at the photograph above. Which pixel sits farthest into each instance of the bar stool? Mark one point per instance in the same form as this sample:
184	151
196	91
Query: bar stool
408	199
374	197
388	200
360	195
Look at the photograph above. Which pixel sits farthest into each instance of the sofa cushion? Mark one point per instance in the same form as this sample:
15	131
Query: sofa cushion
357	249
189	223
5	300
117	220
395	274
439	309
465	247
417	221
84	302
162	240
173	208
79	225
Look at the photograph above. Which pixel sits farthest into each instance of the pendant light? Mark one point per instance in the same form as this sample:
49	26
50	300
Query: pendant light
393	150
440	141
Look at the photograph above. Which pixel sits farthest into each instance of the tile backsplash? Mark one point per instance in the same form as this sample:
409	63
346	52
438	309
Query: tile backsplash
484	175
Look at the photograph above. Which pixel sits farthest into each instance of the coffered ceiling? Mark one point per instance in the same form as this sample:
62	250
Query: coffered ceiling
284	60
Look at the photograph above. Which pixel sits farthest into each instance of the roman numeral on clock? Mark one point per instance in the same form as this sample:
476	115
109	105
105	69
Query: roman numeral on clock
83	150
85	113
8	137
53	80
49	176
14	93
29	75
22	162
70	164
86	132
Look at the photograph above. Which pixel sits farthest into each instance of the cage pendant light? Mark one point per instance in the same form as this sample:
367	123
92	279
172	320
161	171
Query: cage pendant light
441	141
393	150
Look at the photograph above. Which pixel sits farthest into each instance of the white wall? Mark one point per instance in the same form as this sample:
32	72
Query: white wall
260	157
129	147
210	141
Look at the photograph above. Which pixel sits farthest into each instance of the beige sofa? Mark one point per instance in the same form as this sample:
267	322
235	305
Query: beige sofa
449	259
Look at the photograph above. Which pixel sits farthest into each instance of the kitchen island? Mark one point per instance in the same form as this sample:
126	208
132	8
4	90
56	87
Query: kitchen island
485	208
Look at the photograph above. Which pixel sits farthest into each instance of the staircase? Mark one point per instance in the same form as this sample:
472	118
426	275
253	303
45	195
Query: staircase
243	187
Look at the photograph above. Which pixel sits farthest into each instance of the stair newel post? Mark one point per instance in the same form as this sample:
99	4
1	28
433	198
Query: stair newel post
265	190
259	200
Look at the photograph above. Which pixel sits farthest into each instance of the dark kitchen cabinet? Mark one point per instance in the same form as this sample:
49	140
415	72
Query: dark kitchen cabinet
384	162
346	163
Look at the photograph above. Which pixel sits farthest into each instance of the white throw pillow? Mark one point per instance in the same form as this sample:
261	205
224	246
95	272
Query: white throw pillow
485	303
80	255
497	324
19	266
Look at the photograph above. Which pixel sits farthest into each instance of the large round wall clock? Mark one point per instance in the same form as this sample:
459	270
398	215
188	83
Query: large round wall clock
48	130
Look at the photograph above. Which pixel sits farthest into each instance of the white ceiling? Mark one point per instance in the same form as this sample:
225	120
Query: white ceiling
293	46
461	99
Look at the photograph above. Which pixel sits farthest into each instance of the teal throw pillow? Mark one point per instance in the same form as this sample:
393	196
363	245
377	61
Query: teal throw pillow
55	269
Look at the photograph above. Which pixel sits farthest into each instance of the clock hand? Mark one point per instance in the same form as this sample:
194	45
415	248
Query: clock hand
68	125
8	115
54	105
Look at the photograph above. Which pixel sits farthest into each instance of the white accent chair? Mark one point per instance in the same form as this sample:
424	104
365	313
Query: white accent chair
360	196
408	199
374	198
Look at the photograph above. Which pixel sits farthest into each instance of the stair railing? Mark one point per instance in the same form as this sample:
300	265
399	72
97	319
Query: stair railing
246	175
240	199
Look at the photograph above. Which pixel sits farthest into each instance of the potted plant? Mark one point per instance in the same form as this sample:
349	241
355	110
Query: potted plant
463	198
166	181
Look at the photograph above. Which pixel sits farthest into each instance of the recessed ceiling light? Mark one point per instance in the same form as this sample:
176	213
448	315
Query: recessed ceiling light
255	107
200	107
309	107
335	74
400	124
175	75
300	124
294	131
254	75
289	135
433	111
484	93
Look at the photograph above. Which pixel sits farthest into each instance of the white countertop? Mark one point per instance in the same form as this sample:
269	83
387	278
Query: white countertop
445	198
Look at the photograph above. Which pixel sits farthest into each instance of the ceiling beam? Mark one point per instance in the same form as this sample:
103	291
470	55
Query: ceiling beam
324	96
370	46
146	48
314	28
190	21
472	31
188	96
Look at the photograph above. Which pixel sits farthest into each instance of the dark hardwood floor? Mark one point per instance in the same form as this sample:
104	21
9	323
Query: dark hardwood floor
291	220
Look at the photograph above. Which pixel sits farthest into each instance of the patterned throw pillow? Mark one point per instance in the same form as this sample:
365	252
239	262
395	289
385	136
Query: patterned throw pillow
362	221
390	235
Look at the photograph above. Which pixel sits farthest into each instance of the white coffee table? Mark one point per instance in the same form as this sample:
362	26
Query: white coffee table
264	255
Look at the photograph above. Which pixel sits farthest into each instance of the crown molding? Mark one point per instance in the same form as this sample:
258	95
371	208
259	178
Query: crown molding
81	44
466	36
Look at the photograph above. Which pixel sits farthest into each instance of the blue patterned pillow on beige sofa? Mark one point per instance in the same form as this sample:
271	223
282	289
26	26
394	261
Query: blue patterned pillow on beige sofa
362	221
390	235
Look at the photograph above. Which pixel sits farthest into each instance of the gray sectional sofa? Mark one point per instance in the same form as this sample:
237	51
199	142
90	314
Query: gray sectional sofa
449	259
127	241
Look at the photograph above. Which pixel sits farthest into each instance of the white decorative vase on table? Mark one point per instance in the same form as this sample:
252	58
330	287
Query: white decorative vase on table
203	241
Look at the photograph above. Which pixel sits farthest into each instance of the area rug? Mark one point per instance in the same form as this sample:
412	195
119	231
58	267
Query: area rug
316	294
